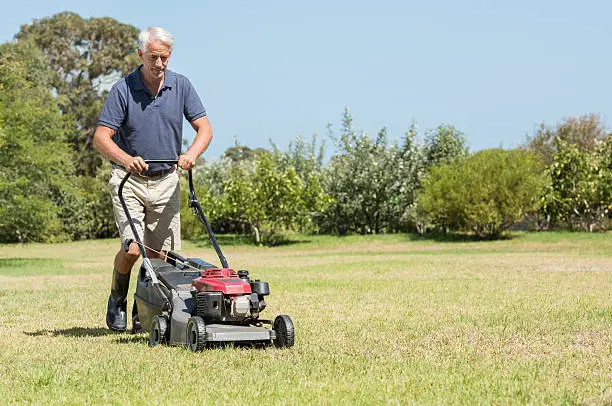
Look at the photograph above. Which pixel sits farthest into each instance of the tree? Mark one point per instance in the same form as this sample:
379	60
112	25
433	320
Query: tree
270	199
239	153
485	193
307	161
209	180
572	153
305	158
88	55
443	145
35	160
580	188
584	132
372	181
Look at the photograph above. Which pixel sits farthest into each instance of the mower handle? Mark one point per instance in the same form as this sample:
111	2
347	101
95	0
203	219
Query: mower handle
197	209
161	161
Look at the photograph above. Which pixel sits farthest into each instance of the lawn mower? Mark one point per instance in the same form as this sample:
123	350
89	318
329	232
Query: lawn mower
191	302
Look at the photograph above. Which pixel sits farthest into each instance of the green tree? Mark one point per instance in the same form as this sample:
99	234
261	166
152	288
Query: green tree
238	153
580	188
307	161
443	145
305	158
582	135
96	209
209	180
270	199
35	161
485	193
87	55
584	132
372	181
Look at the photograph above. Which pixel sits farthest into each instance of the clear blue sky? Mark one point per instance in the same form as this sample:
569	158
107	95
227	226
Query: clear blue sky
274	69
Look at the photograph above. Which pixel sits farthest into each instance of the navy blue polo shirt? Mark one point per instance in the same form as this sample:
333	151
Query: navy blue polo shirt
151	126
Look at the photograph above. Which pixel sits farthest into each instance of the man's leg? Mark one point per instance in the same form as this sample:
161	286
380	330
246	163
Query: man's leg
136	326
116	316
162	230
124	261
134	193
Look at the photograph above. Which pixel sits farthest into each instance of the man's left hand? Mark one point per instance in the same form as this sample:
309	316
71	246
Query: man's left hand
186	162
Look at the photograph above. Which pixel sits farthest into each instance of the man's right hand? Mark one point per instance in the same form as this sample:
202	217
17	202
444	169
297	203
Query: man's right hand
135	164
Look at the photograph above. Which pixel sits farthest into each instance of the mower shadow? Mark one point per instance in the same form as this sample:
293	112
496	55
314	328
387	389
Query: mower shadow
132	338
127	338
72	332
122	338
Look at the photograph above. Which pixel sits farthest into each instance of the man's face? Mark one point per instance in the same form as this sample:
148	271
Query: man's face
155	59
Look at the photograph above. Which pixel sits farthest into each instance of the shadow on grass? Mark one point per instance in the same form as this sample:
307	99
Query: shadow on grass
122	338
143	338
133	339
73	332
455	237
128	338
238	239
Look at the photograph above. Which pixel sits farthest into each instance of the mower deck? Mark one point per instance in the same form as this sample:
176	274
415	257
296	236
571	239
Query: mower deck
226	332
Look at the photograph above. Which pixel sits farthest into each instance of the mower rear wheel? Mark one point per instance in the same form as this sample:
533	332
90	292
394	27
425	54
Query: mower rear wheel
159	331
285	334
196	334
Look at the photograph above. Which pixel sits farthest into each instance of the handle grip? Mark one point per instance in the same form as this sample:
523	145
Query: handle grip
161	161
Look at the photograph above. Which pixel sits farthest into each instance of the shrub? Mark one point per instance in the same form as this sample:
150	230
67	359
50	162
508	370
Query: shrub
485	193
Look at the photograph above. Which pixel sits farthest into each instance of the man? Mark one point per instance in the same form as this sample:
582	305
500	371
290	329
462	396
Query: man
143	119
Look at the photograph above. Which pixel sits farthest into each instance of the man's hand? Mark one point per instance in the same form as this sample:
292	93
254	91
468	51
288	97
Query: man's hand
203	136
135	164
186	162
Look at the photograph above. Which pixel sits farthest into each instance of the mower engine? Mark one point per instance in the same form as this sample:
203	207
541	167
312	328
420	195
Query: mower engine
223	295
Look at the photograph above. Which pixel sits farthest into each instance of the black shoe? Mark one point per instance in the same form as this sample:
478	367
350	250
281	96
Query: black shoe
136	326
116	316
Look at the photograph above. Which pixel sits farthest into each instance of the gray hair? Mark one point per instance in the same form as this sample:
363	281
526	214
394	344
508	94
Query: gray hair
154	33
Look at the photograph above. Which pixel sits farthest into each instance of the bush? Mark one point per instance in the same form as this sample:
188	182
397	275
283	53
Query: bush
580	190
269	199
371	182
485	193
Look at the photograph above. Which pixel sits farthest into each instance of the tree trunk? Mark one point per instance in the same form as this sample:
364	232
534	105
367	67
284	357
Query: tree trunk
256	232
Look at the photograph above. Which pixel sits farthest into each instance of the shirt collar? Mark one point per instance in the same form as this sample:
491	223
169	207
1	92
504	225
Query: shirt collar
169	79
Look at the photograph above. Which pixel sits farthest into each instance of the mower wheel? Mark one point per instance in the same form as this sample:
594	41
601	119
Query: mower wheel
196	334
285	335
159	331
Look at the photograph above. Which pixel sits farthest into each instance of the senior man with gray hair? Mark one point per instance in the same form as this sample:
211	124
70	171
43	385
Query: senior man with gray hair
142	119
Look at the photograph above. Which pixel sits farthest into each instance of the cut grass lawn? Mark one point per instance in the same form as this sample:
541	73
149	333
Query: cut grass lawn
380	319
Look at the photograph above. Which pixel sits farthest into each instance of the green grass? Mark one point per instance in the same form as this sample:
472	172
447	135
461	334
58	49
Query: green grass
391	319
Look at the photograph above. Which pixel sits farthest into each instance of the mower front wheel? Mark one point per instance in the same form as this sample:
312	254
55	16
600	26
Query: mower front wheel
159	331
285	334
196	334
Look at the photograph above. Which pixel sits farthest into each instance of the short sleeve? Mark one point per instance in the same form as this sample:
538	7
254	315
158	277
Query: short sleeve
193	107
113	112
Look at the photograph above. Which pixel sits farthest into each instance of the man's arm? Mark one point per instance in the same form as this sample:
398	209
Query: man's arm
103	142
200	143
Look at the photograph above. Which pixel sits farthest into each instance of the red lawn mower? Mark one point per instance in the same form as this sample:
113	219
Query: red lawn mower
190	302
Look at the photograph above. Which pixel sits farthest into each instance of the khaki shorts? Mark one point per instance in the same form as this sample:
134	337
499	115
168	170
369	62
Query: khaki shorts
154	205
